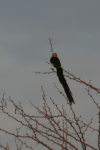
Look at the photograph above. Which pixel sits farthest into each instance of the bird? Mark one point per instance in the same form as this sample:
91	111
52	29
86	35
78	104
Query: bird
55	62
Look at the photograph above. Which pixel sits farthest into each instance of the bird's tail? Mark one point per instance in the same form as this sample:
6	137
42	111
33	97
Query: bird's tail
65	85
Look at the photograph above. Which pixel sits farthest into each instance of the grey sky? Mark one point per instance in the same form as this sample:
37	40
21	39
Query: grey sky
25	29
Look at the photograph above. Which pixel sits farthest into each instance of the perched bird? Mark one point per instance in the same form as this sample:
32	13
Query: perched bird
56	63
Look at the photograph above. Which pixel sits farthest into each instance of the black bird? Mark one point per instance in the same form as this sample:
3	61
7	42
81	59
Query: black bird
56	63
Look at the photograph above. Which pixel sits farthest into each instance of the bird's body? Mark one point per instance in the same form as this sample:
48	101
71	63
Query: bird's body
56	63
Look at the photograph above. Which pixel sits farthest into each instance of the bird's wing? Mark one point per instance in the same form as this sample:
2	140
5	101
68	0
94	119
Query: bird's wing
55	61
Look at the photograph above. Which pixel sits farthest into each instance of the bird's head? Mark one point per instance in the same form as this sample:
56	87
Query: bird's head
54	55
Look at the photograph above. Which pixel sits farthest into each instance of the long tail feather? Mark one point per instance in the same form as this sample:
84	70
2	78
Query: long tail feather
65	85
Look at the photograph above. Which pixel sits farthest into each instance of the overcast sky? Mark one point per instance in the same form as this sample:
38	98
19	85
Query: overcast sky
25	29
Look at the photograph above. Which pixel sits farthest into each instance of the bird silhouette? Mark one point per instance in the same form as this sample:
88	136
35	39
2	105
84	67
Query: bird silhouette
56	63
